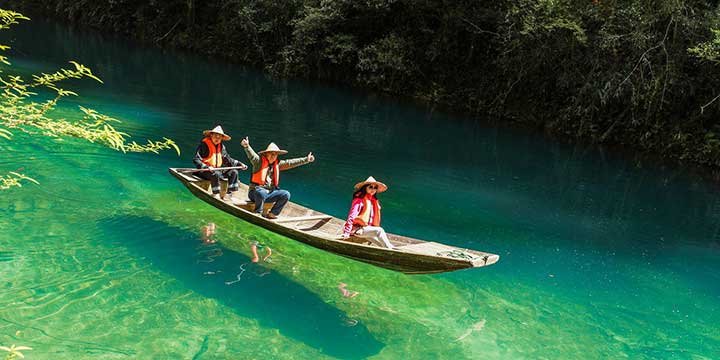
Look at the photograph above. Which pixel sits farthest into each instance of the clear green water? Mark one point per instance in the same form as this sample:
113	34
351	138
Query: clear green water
600	259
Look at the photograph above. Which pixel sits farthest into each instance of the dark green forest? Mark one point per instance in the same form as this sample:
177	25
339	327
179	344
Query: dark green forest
640	74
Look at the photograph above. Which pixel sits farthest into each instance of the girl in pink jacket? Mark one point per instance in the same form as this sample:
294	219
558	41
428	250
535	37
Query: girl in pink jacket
364	217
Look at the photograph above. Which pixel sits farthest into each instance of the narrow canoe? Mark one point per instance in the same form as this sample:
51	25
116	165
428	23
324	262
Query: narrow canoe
314	228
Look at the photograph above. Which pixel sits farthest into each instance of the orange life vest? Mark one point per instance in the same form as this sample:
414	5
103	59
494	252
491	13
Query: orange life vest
258	177
214	157
364	217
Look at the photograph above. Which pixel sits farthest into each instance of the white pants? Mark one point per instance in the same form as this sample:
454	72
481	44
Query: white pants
375	234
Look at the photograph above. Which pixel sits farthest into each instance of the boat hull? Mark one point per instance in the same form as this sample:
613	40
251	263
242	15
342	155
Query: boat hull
412	256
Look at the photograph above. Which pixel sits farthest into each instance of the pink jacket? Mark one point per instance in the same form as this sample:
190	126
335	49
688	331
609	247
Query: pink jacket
355	208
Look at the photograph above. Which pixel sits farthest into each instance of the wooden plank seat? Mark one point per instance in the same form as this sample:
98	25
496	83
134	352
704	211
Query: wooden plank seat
338	236
302	218
358	240
248	205
205	184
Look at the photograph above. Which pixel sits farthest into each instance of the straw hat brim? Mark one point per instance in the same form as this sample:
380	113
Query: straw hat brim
279	152
226	137
273	148
381	186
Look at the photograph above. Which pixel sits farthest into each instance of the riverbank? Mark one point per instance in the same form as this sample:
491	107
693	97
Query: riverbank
619	75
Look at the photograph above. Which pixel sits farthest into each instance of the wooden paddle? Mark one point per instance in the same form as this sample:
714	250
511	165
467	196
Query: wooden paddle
186	170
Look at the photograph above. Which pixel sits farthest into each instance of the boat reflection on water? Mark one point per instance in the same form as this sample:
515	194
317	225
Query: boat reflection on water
250	289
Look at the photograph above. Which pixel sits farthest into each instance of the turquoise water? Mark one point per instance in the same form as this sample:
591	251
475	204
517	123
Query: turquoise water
600	258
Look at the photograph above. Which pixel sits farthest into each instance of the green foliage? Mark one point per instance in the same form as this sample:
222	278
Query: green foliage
14	352
382	64
340	49
8	18
19	111
620	72
13	179
709	50
545	18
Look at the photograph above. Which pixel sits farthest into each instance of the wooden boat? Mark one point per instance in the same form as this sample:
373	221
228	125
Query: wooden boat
411	256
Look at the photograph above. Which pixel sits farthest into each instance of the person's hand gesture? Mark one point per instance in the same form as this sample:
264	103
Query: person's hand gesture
245	142
310	157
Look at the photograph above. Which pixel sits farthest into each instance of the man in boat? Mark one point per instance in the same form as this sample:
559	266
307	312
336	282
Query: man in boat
211	154
265	179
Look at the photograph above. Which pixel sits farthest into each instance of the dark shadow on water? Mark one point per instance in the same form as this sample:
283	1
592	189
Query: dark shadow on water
252	290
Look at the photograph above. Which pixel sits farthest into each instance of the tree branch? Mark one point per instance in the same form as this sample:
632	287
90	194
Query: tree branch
702	108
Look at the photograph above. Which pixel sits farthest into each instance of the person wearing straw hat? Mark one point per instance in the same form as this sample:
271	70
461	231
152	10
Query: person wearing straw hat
364	216
211	154
265	179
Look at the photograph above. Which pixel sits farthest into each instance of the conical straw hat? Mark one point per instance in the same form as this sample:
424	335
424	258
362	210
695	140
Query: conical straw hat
218	130
371	180
273	148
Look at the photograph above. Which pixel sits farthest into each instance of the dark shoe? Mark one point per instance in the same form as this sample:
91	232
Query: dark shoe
271	216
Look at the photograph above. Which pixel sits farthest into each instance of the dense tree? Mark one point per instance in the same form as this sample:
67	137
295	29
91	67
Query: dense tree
639	73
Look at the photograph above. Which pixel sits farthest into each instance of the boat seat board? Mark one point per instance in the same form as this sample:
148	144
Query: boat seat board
303	218
429	247
246	204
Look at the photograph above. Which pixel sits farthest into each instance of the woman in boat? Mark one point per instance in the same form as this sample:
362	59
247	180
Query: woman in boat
211	154
364	217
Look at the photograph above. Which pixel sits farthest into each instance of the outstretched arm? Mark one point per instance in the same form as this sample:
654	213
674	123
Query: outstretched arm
292	163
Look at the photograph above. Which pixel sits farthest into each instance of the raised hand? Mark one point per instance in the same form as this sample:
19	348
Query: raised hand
245	142
310	157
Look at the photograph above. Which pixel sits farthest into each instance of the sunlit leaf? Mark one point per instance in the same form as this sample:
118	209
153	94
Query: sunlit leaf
19	111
